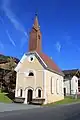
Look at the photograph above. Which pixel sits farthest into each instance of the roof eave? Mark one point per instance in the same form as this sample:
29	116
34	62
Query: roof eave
59	73
44	65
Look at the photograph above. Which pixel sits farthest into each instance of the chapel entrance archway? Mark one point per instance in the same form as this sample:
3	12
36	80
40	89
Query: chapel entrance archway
29	96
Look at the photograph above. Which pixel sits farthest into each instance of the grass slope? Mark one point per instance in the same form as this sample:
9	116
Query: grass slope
4	98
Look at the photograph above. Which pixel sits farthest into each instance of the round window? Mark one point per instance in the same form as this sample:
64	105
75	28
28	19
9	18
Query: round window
31	58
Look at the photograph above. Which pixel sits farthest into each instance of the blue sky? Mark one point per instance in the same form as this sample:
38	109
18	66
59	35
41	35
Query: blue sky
60	26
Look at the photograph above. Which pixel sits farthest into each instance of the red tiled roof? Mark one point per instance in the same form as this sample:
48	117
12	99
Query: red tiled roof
50	63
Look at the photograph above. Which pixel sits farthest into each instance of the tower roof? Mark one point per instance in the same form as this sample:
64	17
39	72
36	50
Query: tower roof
36	24
35	42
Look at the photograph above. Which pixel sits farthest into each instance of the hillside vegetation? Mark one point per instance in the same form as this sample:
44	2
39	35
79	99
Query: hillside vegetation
7	73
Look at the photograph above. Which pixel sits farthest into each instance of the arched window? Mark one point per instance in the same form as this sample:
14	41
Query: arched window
39	93
31	74
57	86
39	37
21	92
52	85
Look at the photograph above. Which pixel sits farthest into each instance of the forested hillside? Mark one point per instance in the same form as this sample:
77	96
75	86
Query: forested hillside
7	73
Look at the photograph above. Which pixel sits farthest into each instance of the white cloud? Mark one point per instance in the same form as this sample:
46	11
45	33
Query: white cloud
11	40
58	46
12	17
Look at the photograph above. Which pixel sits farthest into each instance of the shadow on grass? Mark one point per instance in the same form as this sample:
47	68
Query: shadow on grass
11	95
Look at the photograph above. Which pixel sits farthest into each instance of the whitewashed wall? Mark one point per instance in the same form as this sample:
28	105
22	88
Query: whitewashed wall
67	86
74	85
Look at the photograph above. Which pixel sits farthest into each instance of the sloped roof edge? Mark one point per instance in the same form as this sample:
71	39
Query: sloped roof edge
41	60
44	64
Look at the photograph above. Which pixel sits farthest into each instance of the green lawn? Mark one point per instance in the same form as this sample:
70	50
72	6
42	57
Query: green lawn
66	100
4	98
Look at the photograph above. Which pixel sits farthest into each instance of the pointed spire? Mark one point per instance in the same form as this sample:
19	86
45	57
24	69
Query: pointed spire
36	24
35	37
